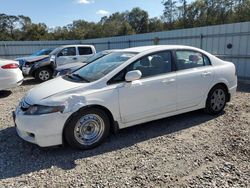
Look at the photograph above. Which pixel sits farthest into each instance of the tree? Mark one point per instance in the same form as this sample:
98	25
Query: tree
176	14
7	26
115	25
155	25
183	10
126	29
242	11
25	22
36	32
60	33
169	12
138	19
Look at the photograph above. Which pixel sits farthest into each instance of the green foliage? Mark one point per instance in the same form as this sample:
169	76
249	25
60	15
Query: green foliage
177	14
170	12
205	12
155	25
138	19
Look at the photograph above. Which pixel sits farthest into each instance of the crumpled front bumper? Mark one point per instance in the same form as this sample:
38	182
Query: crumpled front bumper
26	71
43	130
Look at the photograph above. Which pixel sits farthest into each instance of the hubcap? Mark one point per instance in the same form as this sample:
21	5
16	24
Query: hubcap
89	129
218	100
44	75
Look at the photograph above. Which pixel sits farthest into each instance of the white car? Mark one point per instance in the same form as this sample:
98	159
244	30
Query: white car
10	74
122	89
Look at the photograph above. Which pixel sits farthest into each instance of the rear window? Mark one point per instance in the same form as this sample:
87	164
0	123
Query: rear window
85	50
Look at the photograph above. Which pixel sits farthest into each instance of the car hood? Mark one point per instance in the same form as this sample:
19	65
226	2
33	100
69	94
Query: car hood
71	66
51	88
33	58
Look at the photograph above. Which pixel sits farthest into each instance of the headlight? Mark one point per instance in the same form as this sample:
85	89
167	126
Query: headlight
27	64
39	109
53	58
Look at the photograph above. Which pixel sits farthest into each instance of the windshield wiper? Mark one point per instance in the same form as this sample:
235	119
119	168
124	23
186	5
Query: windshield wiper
82	78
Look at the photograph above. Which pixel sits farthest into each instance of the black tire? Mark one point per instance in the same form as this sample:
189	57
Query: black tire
216	105
71	127
47	72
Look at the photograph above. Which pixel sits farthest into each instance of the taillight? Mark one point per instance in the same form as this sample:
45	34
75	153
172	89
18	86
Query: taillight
10	66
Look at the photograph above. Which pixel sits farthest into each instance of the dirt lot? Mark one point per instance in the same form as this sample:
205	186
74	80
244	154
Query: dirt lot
189	150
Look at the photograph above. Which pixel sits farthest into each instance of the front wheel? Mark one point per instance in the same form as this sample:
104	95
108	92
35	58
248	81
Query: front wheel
87	128
216	100
43	74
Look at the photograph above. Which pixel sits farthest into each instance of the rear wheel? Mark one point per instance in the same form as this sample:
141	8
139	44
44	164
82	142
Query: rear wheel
87	128
216	101
43	74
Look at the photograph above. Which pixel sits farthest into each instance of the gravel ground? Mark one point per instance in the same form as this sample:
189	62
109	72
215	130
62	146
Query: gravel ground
188	150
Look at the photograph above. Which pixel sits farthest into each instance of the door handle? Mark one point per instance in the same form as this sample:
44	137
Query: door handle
74	58
204	74
168	81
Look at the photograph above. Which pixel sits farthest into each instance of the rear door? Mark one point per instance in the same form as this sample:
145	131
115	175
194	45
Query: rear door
84	53
194	77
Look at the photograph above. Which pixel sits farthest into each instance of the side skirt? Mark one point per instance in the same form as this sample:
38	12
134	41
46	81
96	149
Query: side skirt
161	116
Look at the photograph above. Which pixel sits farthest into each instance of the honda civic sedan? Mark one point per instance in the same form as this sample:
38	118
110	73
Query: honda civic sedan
122	89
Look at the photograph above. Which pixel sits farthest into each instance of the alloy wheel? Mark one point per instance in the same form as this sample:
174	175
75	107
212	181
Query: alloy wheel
218	100
44	75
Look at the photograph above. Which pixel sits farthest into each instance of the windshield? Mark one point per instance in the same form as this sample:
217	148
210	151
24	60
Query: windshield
101	67
96	56
42	52
55	51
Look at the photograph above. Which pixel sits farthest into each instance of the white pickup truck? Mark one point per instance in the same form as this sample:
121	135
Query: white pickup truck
71	53
42	67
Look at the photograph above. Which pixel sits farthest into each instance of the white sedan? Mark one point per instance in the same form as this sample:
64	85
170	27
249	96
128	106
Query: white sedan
10	74
122	89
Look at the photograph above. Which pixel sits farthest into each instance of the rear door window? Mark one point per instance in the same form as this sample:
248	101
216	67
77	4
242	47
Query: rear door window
186	59
85	50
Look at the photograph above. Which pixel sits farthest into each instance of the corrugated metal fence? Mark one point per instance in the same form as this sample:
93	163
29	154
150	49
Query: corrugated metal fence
230	42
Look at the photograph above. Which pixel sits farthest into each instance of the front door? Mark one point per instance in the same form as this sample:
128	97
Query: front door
66	55
154	94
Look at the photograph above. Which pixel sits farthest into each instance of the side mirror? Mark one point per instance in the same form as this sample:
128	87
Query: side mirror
133	75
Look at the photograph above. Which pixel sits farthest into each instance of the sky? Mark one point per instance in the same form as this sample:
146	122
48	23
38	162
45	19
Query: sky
62	12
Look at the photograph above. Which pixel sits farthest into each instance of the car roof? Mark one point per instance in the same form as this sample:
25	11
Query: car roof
112	50
76	45
158	47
